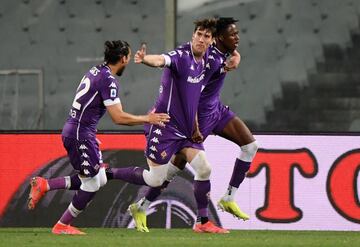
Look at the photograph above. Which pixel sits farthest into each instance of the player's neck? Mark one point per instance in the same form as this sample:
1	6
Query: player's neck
220	47
113	69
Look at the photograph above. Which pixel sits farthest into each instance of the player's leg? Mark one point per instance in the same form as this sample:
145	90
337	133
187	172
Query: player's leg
139	208
39	186
236	131
92	176
154	177
202	186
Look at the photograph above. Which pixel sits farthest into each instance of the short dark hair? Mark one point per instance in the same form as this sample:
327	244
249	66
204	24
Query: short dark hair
115	50
223	23
208	23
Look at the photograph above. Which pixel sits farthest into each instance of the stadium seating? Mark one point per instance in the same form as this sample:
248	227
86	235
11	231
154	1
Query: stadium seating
65	38
282	43
285	45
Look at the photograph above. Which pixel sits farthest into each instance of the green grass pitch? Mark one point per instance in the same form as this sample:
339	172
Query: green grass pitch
107	237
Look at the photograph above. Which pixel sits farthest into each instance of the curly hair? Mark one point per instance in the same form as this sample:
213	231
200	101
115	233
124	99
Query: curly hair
115	50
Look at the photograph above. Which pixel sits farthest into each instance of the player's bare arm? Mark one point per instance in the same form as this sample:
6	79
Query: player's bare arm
123	118
197	136
233	62
149	60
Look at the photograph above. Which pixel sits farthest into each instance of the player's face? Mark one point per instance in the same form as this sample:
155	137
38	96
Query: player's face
201	40
123	62
230	38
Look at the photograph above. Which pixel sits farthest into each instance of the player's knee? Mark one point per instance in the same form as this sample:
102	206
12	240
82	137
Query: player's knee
102	176
156	176
201	166
93	184
248	151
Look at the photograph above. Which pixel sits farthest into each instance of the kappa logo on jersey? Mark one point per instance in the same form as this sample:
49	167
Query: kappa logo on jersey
180	53
153	148
158	132
192	67
113	84
208	65
83	147
187	52
211	57
85	163
84	155
86	172
195	79
155	140
152	156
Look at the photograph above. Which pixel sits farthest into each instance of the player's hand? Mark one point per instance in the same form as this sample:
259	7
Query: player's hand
197	137
158	118
233	62
140	54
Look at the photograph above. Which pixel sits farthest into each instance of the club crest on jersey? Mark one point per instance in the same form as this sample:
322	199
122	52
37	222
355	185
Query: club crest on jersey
163	154
195	79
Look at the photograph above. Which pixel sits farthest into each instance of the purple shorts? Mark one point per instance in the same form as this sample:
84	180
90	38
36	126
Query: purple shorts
164	142
84	155
216	121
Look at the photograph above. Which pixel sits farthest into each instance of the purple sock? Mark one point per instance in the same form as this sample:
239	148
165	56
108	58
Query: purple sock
67	217
80	200
75	182
202	196
56	183
239	172
154	192
129	174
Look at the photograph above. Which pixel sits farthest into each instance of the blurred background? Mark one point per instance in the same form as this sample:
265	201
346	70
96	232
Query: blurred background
298	73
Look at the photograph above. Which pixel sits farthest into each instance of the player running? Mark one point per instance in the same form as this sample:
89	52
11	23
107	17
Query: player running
214	117
97	92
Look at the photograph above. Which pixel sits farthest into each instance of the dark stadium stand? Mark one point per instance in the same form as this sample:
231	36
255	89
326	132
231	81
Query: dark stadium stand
285	46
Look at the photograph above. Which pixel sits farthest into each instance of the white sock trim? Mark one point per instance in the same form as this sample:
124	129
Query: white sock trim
67	182
230	194
248	151
74	211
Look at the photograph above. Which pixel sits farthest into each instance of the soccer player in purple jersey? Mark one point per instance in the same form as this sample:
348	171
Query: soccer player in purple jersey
97	92
214	117
181	85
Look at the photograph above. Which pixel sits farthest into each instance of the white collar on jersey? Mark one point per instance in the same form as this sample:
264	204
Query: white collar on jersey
202	59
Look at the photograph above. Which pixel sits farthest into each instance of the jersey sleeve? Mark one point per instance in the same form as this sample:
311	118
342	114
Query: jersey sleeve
109	91
173	60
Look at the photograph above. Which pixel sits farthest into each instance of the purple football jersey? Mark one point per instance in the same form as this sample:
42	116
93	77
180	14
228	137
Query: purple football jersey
97	89
180	89
214	80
